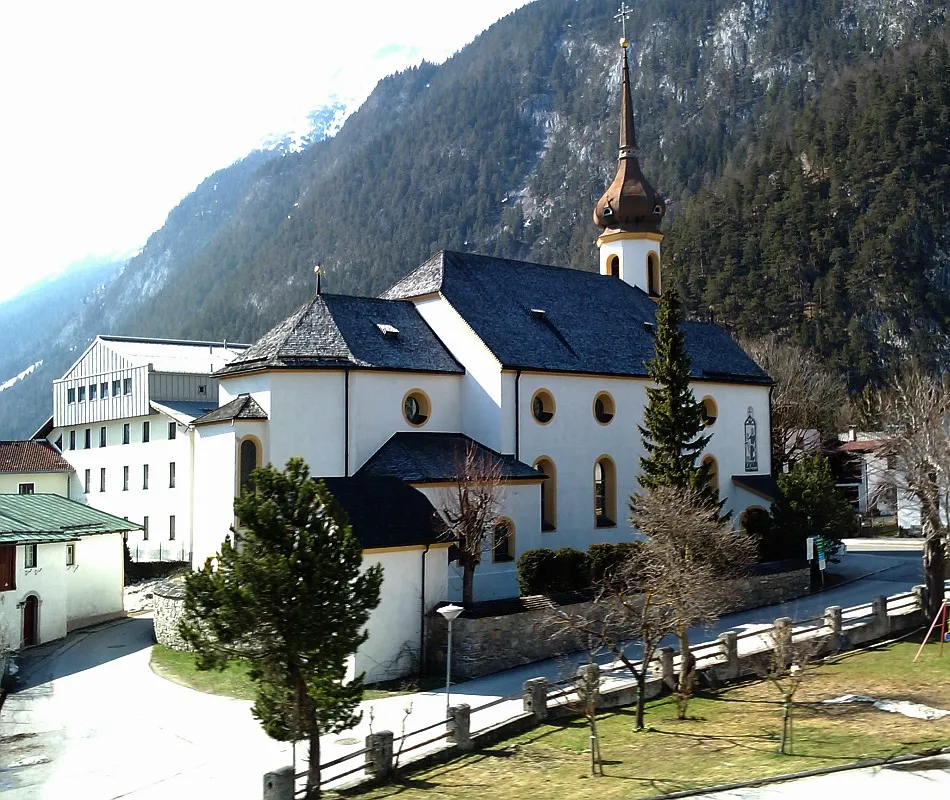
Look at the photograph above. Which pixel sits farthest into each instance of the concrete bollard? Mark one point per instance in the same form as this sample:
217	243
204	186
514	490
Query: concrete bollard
782	634
279	784
879	612
833	624
534	694
460	726
729	644
379	754
920	595
666	667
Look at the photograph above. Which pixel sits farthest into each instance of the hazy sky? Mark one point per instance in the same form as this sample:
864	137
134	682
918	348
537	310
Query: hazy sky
114	111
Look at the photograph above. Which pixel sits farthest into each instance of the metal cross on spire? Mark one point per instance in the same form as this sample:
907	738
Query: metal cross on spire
621	17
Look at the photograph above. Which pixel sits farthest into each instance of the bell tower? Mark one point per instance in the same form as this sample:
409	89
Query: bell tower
630	211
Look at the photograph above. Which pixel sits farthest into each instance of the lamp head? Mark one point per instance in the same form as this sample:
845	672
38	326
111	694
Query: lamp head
451	611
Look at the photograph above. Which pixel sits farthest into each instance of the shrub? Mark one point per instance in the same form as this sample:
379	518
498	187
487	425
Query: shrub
571	570
533	567
606	559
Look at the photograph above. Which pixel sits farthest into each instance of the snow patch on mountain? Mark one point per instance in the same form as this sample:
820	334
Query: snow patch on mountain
315	126
19	377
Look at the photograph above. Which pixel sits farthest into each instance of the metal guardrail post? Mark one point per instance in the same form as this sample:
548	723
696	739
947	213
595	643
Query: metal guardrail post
534	695
459	723
279	784
379	754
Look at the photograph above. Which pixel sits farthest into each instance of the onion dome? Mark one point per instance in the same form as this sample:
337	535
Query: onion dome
630	202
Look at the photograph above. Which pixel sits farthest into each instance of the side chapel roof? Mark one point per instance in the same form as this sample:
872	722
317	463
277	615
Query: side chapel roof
339	331
556	319
241	407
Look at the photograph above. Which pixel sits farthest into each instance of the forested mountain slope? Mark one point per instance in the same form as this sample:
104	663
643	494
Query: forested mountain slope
777	129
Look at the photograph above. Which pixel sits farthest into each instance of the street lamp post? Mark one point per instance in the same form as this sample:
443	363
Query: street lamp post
450	612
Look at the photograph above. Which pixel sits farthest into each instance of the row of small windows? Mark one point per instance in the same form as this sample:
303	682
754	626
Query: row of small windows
30	561
87	478
543	408
604	489
126	435
99	391
146	531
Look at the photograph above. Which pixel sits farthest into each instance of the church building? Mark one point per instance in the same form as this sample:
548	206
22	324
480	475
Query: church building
541	366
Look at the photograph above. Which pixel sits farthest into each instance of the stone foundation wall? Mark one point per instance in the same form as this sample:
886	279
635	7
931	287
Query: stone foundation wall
482	645
169	606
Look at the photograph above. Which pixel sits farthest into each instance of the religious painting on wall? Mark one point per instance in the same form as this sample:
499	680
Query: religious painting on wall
751	444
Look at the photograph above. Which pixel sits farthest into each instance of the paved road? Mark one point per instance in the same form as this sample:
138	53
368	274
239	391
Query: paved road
922	779
94	722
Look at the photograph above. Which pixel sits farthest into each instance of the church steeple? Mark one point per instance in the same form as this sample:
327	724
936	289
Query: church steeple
630	203
631	210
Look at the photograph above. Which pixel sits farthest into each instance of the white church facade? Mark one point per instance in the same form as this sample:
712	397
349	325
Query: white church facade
543	368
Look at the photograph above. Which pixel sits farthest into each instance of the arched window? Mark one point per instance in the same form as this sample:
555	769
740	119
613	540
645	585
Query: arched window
653	275
613	266
605	493
710	411
249	460
713	470
503	541
548	494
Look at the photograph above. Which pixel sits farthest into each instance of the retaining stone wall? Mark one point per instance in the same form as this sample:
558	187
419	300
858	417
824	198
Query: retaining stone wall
169	606
482	645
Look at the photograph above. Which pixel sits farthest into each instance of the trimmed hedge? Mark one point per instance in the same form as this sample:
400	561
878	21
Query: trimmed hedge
546	571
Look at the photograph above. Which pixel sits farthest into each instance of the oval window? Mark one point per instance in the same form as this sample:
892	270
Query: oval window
604	408
415	407
710	411
542	406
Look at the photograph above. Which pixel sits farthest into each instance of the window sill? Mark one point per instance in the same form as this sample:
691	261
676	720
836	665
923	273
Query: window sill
547	527
604	522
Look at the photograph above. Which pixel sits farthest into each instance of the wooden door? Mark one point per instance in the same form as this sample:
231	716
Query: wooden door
30	609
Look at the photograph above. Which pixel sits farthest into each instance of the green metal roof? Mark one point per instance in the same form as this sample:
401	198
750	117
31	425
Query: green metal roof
52	518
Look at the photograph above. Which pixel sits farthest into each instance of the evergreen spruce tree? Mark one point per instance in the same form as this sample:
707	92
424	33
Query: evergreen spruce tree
293	602
673	419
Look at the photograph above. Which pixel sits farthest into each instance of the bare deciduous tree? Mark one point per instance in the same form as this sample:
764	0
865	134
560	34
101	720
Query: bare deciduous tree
622	618
807	395
471	509
915	413
687	560
787	665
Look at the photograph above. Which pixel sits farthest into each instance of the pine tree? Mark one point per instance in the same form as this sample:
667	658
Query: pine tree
293	601
673	420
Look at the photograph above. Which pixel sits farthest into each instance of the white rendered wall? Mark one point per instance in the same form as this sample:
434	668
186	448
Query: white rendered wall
633	254
395	627
306	419
94	583
376	408
47	582
521	504
255	384
159	501
215	480
43	482
481	389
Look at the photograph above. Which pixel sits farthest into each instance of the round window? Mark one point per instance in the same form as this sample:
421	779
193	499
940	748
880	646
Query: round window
604	408
415	407
542	406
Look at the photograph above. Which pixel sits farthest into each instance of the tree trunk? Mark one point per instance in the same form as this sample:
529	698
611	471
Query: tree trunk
468	580
641	698
313	767
687	676
785	720
934	557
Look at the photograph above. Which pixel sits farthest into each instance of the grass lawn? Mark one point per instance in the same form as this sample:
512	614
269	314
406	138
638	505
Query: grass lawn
730	736
233	681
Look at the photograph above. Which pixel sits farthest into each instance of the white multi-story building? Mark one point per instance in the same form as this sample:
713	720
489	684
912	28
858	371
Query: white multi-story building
122	418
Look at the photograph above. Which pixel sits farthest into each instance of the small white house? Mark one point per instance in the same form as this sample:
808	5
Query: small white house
33	466
62	567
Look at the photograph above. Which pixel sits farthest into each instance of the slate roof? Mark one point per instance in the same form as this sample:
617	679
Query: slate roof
51	518
34	455
385	512
183	411
546	318
241	407
339	331
417	457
